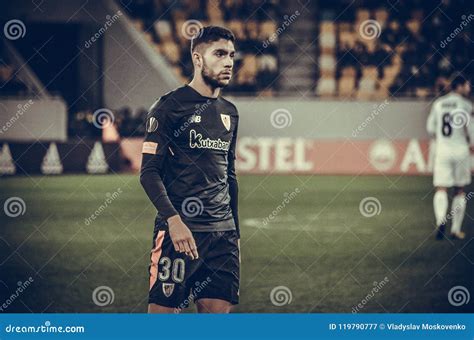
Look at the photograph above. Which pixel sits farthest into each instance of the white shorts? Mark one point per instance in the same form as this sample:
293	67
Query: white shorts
452	168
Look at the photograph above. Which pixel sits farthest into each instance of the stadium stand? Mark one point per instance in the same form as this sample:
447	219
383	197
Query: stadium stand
399	55
256	63
371	52
403	58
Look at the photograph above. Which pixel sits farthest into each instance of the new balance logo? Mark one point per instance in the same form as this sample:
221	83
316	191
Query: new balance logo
195	119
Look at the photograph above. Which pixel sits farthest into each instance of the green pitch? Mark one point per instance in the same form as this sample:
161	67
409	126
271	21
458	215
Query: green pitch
303	238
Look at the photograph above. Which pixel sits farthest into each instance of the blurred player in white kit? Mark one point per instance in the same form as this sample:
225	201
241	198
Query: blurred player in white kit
450	123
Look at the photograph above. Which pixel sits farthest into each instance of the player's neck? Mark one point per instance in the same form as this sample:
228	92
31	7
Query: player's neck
203	89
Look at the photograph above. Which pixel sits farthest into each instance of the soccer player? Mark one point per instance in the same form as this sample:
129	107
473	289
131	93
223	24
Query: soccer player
188	173
450	124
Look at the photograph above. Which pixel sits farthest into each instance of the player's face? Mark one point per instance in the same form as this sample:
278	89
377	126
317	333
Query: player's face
218	63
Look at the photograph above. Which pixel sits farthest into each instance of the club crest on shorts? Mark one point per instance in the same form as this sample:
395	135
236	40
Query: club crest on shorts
226	120
168	289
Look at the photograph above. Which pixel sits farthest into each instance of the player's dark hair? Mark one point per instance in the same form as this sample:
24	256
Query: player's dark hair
209	34
458	80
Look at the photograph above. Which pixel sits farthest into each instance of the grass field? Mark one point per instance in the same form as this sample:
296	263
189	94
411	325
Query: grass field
317	244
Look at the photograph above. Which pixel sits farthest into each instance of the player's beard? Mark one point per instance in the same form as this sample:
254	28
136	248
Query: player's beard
210	78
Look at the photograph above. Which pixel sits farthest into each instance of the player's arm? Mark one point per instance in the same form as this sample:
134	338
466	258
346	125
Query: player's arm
232	180
154	153
470	129
431	122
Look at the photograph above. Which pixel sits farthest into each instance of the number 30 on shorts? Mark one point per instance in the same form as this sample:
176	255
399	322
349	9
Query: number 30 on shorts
168	268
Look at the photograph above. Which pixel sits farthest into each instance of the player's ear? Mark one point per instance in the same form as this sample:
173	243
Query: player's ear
197	59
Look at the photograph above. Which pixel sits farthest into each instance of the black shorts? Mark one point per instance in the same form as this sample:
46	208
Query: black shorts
176	280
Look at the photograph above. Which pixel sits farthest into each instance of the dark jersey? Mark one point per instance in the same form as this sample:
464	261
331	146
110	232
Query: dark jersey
190	147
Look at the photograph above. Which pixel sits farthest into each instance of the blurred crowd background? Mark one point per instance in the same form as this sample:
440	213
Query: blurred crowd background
376	50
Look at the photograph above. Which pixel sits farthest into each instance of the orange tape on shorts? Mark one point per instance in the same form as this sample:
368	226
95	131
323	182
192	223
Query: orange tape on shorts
155	257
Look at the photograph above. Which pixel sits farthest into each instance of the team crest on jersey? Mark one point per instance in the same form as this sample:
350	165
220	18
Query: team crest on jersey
168	289
151	124
226	120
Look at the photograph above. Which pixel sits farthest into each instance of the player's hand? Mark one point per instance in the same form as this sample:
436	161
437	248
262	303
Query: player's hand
471	148
182	237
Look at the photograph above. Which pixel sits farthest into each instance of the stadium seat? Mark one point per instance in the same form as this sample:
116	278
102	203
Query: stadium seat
326	87
327	27
369	72
267	62
248	70
252	29
348	72
267	29
214	12
327	62
362	15
171	51
237	27
422	92
148	37
163	30
414	26
346	86
327	41
138	24
382	92
381	16
366	88
346	38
